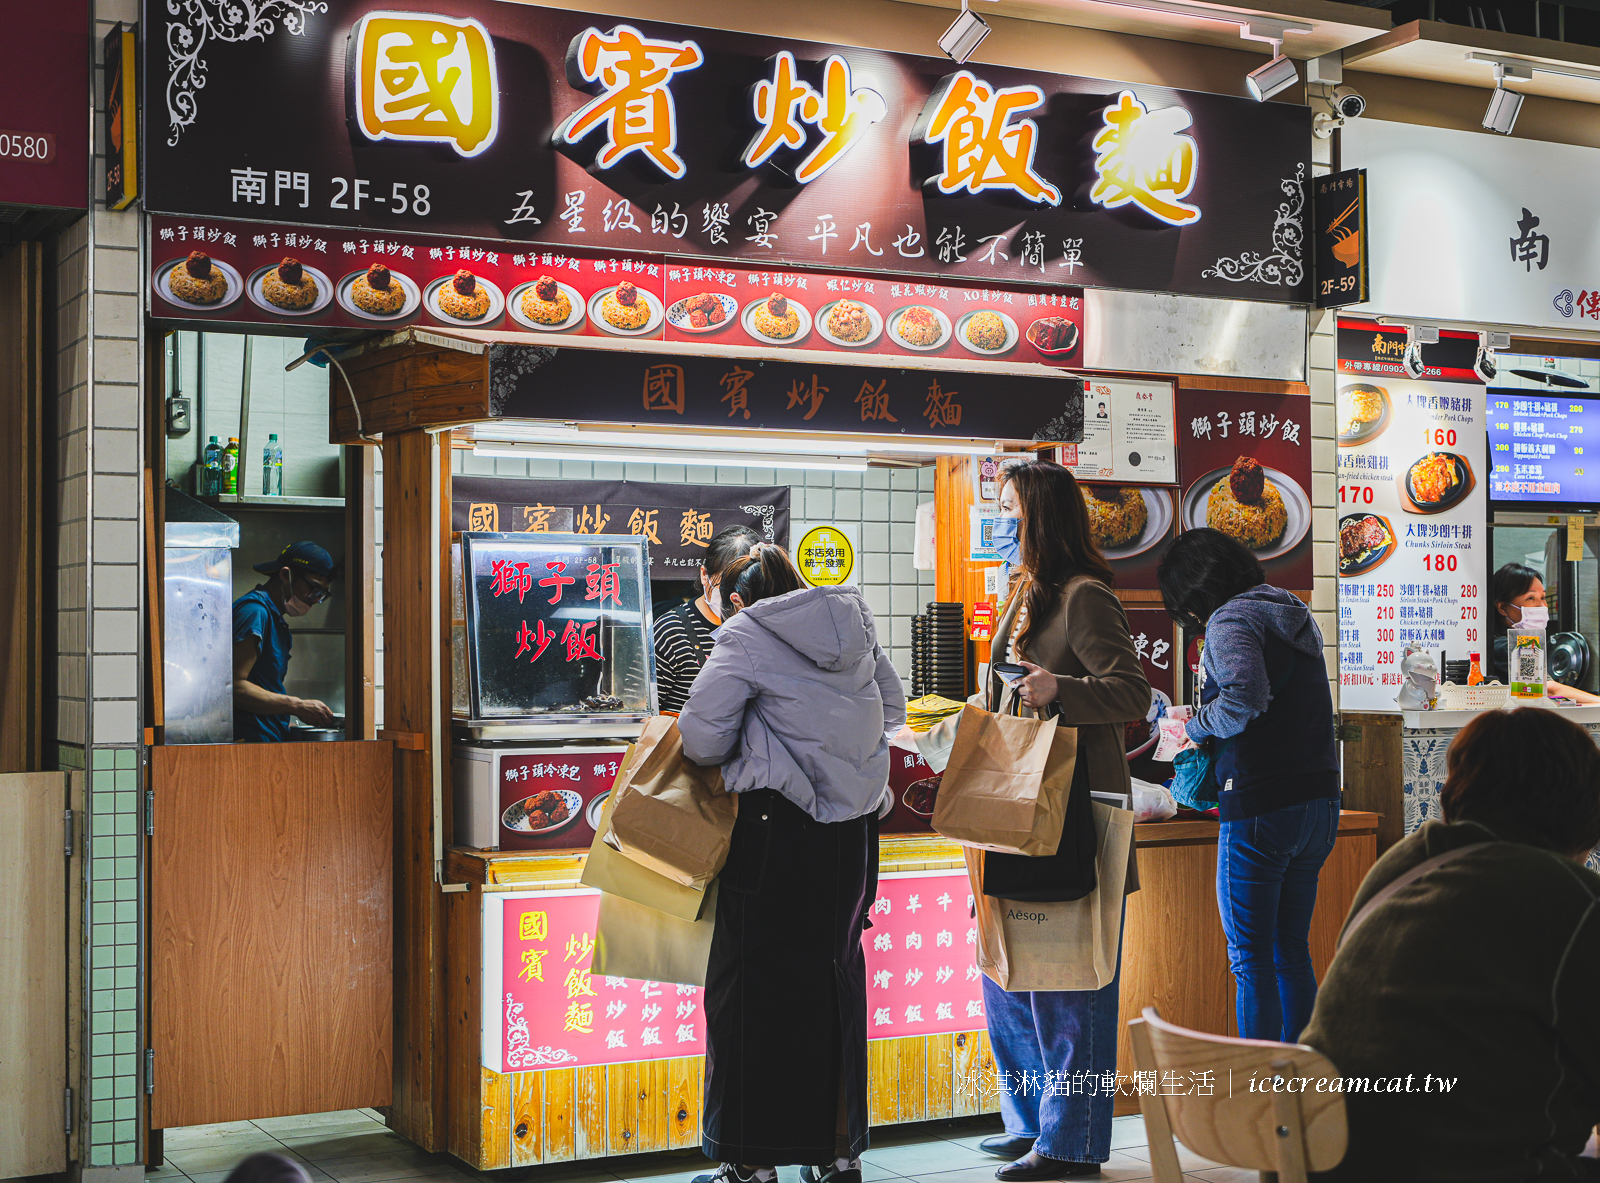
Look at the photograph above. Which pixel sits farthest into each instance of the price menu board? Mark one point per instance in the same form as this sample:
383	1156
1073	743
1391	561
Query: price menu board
1537	442
1413	548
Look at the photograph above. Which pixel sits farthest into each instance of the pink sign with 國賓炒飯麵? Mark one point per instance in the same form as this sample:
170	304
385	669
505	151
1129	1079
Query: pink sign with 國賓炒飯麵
544	1007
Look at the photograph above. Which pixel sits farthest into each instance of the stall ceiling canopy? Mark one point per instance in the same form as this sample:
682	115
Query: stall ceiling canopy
1477	228
533	125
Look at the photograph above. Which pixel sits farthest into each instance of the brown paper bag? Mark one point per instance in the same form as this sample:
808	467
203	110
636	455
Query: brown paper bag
669	814
618	875
635	941
1005	787
1067	946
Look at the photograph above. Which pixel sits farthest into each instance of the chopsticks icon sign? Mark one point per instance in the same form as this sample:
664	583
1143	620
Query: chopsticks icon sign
1337	223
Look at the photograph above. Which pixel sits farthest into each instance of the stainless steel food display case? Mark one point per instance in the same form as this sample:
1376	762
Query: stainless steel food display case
551	636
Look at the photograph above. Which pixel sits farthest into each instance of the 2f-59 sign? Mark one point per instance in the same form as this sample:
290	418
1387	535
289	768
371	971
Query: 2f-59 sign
1341	230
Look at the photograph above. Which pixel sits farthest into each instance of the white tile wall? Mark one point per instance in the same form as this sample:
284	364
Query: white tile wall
1322	372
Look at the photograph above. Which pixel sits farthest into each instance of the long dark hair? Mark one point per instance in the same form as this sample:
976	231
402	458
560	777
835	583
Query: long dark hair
730	543
1506	584
1057	542
764	572
1201	571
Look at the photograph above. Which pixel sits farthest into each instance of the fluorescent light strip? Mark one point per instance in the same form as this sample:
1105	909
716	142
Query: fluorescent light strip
567	451
680	440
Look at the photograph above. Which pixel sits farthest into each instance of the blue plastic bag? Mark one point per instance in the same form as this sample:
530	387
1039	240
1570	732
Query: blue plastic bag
1194	782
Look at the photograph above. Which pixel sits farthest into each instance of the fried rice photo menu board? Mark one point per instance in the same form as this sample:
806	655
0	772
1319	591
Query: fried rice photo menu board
1413	549
1244	468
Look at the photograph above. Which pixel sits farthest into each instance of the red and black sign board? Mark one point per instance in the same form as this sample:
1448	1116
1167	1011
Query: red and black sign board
120	59
1366	347
1155	640
551	799
1340	209
44	89
519	123
1266	439
678	521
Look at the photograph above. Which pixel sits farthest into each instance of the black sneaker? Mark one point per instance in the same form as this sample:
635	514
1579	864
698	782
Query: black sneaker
730	1173
831	1174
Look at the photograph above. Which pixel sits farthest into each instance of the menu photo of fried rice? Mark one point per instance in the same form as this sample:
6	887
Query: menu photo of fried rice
379	294
1127	520
987	333
464	299
777	319
626	310
919	327
290	287
850	323
1363	412
1261	507
199	282
703	312
546	304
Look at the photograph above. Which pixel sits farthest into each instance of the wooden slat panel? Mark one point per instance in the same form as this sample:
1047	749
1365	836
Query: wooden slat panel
527	1119
882	1104
271	897
941	1061
591	1137
406	388
966	1059
560	1125
912	1055
685	1085
1340	879
33	974
655	1125
1374	773
622	1107
23	493
495	1145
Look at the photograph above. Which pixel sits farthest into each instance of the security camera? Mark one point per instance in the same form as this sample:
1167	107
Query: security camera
1347	104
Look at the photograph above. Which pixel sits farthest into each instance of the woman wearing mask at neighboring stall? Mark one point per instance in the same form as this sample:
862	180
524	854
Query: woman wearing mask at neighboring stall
1266	707
794	704
683	635
1065	626
1516	595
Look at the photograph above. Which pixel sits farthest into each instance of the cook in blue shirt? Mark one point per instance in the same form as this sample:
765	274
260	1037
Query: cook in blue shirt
299	579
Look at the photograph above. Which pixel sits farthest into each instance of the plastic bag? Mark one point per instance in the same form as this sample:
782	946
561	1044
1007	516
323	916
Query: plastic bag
1152	803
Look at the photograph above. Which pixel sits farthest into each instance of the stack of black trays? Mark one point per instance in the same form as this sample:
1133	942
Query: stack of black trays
939	652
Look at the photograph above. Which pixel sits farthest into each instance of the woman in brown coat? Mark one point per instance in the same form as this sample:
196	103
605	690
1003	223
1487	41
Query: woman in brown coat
1065	626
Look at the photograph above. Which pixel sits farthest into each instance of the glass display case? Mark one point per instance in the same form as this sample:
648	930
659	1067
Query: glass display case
551	635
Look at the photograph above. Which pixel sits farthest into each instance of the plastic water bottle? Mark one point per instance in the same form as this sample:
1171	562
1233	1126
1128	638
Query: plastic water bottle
272	468
211	470
230	466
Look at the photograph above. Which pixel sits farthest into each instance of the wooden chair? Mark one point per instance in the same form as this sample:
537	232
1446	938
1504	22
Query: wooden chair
1285	1130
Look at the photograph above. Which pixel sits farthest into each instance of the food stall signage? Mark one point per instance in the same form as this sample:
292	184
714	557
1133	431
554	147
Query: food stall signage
531	124
425	79
678	521
545	1007
1341	224
119	58
45	148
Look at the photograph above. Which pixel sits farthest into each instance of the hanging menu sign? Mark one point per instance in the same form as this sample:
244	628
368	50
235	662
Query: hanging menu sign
1412	543
516	123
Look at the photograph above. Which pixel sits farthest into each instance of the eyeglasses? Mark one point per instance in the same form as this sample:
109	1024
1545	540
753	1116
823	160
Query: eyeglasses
317	592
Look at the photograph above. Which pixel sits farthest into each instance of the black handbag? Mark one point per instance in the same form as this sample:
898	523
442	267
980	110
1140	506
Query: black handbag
1068	874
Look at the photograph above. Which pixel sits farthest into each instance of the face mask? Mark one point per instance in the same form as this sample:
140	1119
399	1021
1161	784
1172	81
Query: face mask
1006	543
714	601
1535	617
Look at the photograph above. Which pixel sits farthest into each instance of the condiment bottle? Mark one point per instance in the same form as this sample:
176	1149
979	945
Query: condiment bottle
1475	674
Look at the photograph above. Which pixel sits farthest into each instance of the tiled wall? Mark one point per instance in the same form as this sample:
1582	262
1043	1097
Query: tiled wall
100	500
1322	365
292	404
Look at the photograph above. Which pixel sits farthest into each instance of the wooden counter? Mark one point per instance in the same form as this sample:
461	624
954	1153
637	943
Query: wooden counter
1174	958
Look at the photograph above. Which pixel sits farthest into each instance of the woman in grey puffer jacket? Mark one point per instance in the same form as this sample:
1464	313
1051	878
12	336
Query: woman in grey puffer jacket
794	704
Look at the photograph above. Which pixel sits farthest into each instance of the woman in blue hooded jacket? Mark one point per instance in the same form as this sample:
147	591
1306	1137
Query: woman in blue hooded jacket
1267	713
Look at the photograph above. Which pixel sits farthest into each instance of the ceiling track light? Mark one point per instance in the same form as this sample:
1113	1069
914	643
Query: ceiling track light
1277	75
961	40
1484	364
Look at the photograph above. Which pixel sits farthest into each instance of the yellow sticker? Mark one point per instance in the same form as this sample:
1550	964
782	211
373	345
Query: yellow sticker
1574	538
825	557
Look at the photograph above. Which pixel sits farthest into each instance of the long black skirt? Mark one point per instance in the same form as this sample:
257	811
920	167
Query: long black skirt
786	988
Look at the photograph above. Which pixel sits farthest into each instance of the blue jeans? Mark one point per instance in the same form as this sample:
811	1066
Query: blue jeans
1266	890
1070	1034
